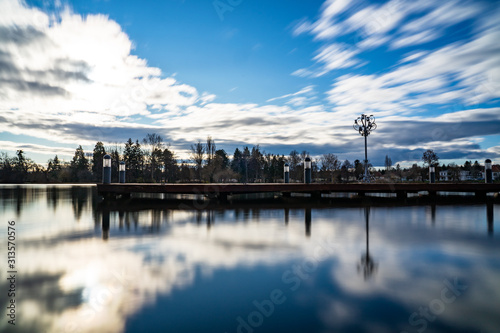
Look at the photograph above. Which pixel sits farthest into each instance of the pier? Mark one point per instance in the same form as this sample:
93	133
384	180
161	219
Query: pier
221	191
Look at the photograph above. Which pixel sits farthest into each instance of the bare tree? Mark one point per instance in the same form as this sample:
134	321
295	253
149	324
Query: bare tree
153	143
388	163
198	155
430	157
330	163
210	151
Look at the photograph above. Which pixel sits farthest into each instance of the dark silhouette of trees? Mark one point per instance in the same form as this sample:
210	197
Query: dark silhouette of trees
97	158
238	164
430	158
295	170
246	157
198	156
329	165
344	170
255	164
153	151
387	163
134	161
211	167
114	152
155	162
80	167
171	169
476	170
359	169
54	168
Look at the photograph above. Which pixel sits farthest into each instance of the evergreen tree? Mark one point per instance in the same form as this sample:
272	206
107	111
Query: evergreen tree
170	164
133	157
236	163
53	169
255	164
97	158
80	166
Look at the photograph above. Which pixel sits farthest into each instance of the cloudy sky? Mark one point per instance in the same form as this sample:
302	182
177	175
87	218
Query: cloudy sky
282	74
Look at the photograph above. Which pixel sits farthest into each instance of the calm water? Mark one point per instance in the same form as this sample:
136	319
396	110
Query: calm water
86	268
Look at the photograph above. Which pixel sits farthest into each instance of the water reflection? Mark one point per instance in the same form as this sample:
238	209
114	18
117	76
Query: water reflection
489	217
133	267
367	265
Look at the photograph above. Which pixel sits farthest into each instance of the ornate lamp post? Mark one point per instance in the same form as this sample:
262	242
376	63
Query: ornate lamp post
364	125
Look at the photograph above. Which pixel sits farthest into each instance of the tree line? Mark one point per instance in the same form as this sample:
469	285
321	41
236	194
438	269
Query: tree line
152	160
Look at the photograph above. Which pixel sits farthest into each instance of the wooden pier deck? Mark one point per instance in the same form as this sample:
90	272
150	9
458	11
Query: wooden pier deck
222	190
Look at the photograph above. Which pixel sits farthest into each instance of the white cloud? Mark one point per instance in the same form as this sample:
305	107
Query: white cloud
36	148
53	72
335	56
419	38
305	90
446	14
458	73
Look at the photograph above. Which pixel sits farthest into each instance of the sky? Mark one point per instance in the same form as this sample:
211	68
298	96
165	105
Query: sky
283	75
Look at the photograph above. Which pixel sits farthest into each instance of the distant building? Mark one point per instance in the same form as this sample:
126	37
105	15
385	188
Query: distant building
443	175
495	170
465	175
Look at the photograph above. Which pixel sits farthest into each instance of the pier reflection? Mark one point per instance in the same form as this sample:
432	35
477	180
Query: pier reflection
105	225
489	217
308	221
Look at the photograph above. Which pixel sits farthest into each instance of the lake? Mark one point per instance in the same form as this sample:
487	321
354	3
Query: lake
83	266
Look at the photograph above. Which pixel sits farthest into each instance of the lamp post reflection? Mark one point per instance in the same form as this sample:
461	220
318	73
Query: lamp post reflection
367	264
287	215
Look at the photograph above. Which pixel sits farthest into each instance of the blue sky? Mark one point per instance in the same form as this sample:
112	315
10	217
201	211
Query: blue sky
282	74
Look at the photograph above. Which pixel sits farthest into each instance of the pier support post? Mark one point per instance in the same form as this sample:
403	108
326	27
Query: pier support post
122	172
307	170
488	175
432	174
401	194
106	169
287	173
